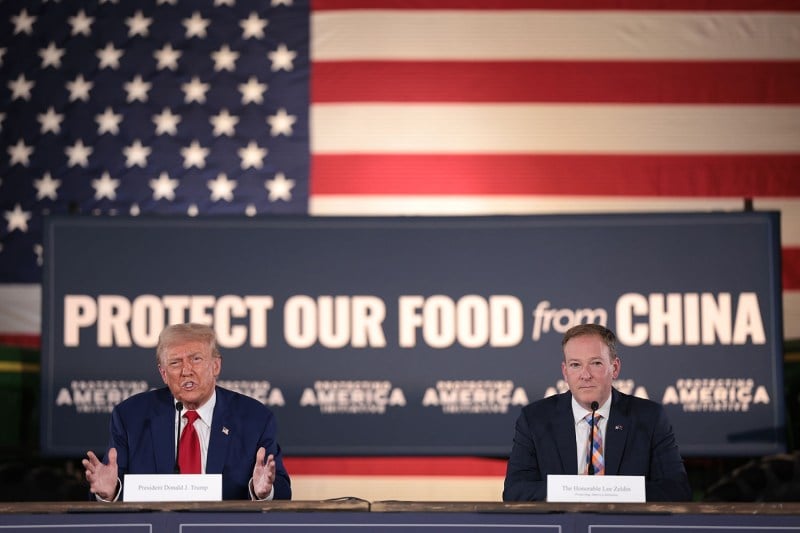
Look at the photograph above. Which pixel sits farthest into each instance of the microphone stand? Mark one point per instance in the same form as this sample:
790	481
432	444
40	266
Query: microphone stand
178	409
595	406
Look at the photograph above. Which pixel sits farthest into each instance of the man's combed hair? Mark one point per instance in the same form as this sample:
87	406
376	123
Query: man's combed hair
593	329
179	333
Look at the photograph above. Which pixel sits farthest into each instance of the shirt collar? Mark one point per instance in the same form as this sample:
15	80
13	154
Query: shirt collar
579	413
206	411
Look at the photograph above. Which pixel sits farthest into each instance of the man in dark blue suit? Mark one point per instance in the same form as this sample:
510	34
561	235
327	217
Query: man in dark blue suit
552	435
237	434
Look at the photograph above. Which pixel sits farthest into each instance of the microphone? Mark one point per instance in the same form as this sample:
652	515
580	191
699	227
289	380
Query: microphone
594	406
178	409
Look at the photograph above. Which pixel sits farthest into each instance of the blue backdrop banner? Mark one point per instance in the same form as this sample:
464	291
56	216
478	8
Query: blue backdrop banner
382	336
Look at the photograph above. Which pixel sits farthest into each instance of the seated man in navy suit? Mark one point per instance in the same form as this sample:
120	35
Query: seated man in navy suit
552	435
236	434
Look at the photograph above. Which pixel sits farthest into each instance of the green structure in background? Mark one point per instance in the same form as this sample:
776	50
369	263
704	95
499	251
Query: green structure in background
19	393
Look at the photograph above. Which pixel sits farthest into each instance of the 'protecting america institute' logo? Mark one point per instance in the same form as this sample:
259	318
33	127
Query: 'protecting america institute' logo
260	390
353	397
716	395
474	396
98	396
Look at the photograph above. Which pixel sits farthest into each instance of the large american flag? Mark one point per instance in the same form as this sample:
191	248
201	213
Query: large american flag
392	107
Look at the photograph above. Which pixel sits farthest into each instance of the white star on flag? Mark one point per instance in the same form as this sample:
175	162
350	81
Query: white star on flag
109	57
79	89
20	153
105	187
166	122
282	58
194	155
253	27
17	219
167	57
195	26
281	123
225	59
50	121
51	56
108	122
252	91
46	187
78	154
252	155
195	91
224	123
221	188
21	88
81	24
136	154
23	23
137	89
138	24
164	187
279	188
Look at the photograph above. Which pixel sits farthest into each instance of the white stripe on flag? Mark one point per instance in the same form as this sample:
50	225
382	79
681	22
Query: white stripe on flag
21	309
539	34
790	217
561	128
454	205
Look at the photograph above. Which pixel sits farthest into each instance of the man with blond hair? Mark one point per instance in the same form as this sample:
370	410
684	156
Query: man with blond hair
225	432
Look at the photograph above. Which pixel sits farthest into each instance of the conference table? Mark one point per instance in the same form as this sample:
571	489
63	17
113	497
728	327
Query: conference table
353	514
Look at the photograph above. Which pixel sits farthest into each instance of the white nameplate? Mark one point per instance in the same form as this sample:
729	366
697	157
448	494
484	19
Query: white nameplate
172	488
602	489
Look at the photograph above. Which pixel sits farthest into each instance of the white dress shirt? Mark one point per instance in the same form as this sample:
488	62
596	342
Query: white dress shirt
202	426
582	429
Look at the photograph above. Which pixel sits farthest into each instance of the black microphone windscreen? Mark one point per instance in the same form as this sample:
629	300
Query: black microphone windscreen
178	409
595	406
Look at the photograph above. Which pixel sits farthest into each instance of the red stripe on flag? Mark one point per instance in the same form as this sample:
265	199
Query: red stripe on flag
790	265
20	340
590	175
395	466
745	82
627	5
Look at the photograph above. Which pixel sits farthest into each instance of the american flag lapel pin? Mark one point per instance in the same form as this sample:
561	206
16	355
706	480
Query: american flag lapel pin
618	427
225	430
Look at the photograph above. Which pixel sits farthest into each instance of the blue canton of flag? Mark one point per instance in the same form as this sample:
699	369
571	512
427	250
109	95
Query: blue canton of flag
176	107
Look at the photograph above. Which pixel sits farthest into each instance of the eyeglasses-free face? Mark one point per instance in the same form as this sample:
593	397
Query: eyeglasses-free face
589	370
190	372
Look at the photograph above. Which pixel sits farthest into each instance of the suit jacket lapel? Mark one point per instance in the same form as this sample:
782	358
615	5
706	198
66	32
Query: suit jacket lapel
616	432
163	423
564	426
220	439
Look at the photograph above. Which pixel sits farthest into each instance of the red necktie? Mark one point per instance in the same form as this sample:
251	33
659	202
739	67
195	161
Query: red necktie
189	454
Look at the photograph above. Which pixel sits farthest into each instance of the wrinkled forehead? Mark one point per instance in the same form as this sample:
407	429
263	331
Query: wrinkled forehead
179	348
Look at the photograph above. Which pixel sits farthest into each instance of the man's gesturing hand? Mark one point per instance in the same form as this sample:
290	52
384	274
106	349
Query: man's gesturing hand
102	478
263	474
